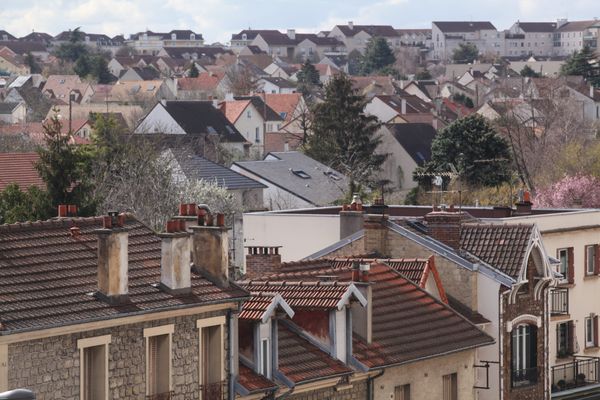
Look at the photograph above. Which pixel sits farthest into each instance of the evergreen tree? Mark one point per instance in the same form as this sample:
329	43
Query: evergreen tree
583	63
194	73
99	69
344	138
471	145
74	49
34	67
378	55
465	53
308	78
18	205
62	168
527	71
423	75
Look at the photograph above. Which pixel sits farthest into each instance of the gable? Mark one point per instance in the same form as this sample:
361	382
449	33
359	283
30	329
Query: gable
159	121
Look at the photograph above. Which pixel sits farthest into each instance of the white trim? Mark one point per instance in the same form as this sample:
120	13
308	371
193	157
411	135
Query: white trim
351	291
159	331
523	318
83	344
277	301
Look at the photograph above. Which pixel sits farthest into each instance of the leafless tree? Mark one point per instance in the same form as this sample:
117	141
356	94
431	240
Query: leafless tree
240	80
407	60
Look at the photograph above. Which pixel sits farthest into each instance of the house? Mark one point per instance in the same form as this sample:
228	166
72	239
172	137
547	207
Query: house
37	37
208	54
191	118
23	48
356	37
276	85
12	113
572	36
37	104
141	91
245	37
119	63
294	180
139	74
326	72
500	276
425	90
19	168
104	289
4	35
400	108
370	86
408	146
448	35
530	38
290	134
12	63
149	42
547	68
312	47
98	41
130	112
279	69
207	86
63	87
415	37
276	43
382	342
337	61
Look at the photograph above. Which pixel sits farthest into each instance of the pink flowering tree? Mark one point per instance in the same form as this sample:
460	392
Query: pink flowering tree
579	191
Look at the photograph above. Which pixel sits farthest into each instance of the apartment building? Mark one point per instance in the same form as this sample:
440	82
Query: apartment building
530	39
448	35
572	36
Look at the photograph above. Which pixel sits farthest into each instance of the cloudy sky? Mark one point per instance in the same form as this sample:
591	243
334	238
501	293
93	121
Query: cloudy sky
218	19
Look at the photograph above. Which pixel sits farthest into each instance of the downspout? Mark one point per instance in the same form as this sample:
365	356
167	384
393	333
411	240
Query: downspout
370	385
230	376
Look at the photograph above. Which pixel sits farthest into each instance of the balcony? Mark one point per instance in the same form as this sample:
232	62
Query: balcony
559	301
525	377
581	372
213	391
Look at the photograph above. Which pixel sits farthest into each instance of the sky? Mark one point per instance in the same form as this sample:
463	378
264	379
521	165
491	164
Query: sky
216	20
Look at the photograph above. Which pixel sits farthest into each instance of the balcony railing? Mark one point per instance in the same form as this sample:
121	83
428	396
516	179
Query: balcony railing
161	396
213	391
582	371
525	377
559	301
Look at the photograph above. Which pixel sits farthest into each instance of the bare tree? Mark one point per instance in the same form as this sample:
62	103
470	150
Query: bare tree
240	80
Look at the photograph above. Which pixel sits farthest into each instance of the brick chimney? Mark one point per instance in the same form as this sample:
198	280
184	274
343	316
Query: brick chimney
210	247
444	226
262	261
524	204
175	269
113	259
376	233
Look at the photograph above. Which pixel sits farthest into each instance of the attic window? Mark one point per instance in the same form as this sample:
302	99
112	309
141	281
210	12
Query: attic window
62	81
244	36
283	114
333	175
300	173
192	36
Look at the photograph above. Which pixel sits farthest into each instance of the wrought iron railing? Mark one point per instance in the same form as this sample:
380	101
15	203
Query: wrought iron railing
525	377
559	301
582	371
213	391
161	396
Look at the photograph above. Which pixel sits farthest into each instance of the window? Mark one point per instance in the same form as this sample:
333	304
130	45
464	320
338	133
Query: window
264	357
566	264
257	135
93	364
450	387
591	331
590	260
211	360
524	355
249	114
564	339
158	360
402	392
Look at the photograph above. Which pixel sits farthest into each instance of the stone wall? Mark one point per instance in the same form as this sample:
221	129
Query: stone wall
357	392
50	366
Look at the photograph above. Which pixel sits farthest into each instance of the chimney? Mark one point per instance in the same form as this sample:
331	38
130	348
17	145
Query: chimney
188	214
291	33
524	204
351	217
350	24
262	261
113	242
175	269
444	226
376	233
210	247
403	106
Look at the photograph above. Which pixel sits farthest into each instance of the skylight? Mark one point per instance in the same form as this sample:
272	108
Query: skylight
300	173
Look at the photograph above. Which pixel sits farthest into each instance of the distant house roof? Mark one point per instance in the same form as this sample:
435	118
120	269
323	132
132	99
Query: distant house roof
280	82
184	34
261	306
23	47
188	53
19	168
546	27
300	175
284	104
373	30
4	35
147	73
276	38
206	81
259	104
59	86
463	26
251	33
8	108
426	32
233	109
415	139
577	26
196	167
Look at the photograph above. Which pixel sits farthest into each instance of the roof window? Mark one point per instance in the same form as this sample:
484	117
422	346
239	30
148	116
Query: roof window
300	173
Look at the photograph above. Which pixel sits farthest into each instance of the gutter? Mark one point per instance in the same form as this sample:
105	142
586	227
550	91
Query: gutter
231	377
370	384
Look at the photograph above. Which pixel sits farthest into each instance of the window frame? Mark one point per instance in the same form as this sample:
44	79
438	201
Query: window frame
153	332
208	323
82	346
451	392
265	357
589	260
402	392
589	332
564	273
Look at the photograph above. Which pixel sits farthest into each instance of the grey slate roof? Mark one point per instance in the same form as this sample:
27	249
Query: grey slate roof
196	167
320	186
463	26
415	139
547	27
7	108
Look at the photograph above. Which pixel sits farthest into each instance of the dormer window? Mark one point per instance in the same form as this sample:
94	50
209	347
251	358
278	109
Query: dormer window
244	36
173	36
5	37
192	36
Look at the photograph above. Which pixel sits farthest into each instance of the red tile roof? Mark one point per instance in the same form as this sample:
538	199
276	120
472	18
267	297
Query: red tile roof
258	307
284	103
206	81
233	109
48	276
254	382
19	168
303	362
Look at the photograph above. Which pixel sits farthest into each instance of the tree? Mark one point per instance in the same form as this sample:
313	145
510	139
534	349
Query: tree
470	145
193	73
343	137
583	63
527	71
571	191
308	78
466	53
354	62
378	55
16	205
72	50
240	80
423	75
93	66
62	168
34	67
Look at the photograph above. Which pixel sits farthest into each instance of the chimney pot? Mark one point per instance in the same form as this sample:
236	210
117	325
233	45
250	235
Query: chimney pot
183	209
209	219
75	232
220	219
192	209
62	210
72	210
107	222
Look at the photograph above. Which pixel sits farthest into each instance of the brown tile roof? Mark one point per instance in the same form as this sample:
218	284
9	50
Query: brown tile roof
576	26
233	109
48	276
258	307
502	246
207	81
19	168
303	295
302	362
467	312
254	382
284	103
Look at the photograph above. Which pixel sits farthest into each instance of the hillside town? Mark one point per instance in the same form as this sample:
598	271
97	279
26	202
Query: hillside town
368	212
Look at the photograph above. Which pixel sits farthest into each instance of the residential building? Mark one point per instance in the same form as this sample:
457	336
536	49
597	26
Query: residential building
401	108
139	74
37	37
22	48
4	35
63	87
140	91
37	104
245	37
356	37
12	113
572	36
276	85
294	180
530	39
207	86
149	42
117	309
98	41
12	63
448	35
415	37
290	134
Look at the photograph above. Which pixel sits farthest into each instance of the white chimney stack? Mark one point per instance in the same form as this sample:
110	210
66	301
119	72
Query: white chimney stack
175	268
113	259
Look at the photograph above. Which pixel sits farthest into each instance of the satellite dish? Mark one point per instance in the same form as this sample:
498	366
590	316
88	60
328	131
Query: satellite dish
437	181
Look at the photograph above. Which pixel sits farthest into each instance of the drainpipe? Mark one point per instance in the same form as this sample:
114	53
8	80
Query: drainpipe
370	385
230	380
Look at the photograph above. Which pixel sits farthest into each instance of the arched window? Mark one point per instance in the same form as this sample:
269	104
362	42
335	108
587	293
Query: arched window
524	355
